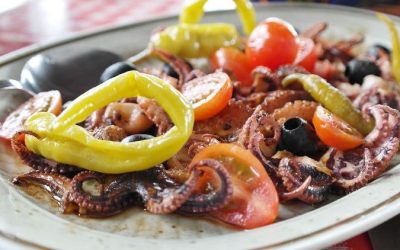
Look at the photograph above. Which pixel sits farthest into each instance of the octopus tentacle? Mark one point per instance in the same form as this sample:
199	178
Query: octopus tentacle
377	95
180	66
178	165
303	109
315	31
386	125
353	173
56	184
228	123
94	120
170	199
384	63
36	161
128	116
364	98
198	142
340	51
116	193
156	114
97	205
295	171
109	133
289	69
253	100
202	203
162	75
354	168
277	99
182	198
260	135
346	45
285	196
264	80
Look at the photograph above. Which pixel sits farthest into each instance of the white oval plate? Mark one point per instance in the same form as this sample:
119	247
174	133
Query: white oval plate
31	223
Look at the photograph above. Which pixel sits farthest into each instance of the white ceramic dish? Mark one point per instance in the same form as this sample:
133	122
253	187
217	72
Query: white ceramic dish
28	223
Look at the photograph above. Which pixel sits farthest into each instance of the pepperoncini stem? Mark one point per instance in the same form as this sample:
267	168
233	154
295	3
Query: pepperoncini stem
60	139
395	56
195	40
247	15
332	99
193	12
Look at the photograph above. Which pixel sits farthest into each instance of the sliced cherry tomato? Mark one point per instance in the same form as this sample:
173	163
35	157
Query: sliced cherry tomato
272	43
45	101
306	54
233	62
209	94
255	200
335	132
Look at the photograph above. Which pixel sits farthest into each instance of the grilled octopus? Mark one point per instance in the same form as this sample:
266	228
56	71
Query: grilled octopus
354	168
252	119
294	177
153	189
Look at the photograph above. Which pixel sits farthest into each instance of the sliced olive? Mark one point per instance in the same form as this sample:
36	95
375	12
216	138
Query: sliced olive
298	137
116	69
136	137
357	69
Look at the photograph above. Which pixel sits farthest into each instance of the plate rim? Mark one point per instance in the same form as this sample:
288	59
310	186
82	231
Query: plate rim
392	204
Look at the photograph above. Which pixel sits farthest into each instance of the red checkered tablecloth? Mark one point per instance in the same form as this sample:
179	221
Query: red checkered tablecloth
40	20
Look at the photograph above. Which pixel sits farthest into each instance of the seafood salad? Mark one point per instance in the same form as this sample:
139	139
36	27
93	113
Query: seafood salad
230	125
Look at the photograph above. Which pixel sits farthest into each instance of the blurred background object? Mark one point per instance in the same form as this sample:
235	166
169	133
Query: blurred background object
25	22
32	21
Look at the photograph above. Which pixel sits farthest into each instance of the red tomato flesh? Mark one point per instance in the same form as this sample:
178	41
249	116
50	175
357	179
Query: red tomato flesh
307	54
272	43
208	94
233	62
255	200
335	132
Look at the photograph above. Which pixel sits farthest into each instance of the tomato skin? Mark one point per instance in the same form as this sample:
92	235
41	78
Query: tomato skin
272	43
307	54
335	132
233	61
255	200
209	94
